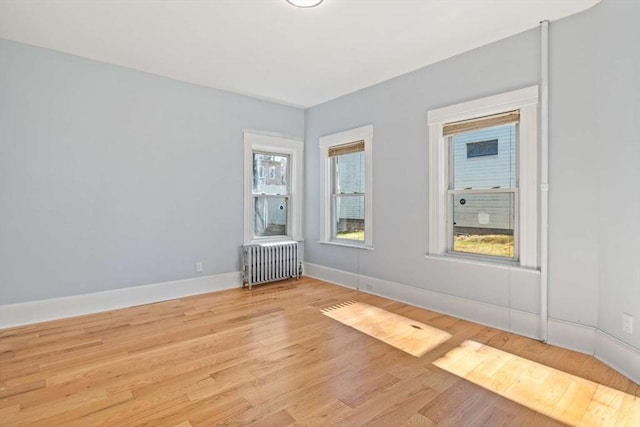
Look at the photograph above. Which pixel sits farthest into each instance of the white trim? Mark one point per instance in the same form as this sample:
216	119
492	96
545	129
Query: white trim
274	144
526	101
347	245
495	316
604	347
331	275
364	133
619	355
528	187
483	261
569	335
524	323
57	308
484	106
438	192
544	178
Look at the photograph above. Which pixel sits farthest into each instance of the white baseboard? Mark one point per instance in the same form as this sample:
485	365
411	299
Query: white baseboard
77	305
525	324
331	275
586	339
619	355
572	336
511	320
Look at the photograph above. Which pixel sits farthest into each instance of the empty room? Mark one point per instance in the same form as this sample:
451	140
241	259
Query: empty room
319	212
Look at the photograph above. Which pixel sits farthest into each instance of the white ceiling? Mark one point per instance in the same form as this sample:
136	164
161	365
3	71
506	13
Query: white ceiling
269	49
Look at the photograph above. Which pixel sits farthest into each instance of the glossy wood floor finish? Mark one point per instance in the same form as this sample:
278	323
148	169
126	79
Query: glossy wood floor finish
406	334
264	357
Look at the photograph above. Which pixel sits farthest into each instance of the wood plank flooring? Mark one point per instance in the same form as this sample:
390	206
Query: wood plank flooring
565	397
266	357
403	333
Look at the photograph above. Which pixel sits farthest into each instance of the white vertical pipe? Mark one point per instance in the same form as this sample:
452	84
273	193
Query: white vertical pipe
544	179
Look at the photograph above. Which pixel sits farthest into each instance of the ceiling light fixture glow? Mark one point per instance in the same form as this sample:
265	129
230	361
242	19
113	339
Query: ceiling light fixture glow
304	3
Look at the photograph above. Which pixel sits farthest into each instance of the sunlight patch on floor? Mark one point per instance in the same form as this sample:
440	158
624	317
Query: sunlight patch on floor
556	394
398	331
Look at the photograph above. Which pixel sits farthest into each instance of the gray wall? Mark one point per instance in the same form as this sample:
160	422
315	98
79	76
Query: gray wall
112	178
594	174
573	170
617	87
398	109
595	168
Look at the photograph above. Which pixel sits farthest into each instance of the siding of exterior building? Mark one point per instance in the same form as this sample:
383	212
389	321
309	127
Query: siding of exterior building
350	179
485	211
270	174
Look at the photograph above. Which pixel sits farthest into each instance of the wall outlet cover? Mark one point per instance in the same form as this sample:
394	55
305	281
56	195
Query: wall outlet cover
627	323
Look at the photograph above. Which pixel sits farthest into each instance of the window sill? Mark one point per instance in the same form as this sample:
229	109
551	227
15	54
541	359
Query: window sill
347	245
502	264
273	240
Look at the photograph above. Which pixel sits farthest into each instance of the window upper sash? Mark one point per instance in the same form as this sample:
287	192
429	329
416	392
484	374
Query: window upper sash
481	122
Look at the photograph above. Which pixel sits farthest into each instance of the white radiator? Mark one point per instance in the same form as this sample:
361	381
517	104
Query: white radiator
268	262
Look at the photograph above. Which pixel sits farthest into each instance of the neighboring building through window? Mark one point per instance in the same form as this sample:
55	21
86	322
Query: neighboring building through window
273	188
271	194
346	178
348	191
482	148
483	188
483	176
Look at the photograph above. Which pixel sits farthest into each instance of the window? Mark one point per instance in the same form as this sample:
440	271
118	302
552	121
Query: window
347	195
483	176
483	188
273	188
346	179
270	195
482	148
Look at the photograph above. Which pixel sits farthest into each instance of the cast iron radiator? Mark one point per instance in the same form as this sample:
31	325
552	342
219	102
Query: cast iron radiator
268	262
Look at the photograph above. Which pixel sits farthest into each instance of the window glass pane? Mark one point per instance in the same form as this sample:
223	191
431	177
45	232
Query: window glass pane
270	173
485	158
270	216
349	173
349	217
482	148
484	224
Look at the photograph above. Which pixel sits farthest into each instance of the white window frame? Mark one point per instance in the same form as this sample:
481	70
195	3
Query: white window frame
294	148
364	133
525	100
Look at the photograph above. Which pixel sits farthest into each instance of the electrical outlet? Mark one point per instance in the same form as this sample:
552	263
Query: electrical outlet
627	323
199	267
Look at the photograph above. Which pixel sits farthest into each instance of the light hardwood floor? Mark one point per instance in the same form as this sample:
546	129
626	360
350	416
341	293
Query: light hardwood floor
264	357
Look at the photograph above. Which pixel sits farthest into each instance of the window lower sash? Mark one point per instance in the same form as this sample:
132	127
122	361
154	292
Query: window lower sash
483	223
348	217
271	215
